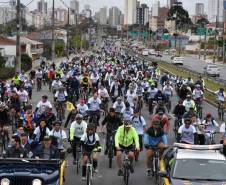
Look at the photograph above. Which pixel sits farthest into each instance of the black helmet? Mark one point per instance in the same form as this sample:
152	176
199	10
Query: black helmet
91	127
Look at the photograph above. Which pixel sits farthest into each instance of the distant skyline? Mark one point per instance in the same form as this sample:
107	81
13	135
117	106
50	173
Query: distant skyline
97	4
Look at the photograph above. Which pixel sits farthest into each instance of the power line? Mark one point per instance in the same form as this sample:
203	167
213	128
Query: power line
29	3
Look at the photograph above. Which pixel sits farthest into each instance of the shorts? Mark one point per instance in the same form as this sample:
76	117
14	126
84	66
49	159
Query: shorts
130	148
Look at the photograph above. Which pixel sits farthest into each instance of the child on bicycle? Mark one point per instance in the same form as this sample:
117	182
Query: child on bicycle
89	141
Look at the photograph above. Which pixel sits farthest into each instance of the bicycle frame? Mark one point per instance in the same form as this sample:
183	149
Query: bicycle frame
89	169
111	146
126	168
155	162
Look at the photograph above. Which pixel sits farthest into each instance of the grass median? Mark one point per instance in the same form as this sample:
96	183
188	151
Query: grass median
185	74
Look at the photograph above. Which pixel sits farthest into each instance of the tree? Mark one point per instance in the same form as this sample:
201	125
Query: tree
202	22
26	62
180	15
59	48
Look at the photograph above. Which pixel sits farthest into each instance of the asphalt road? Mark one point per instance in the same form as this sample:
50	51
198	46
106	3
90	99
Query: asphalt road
107	176
195	64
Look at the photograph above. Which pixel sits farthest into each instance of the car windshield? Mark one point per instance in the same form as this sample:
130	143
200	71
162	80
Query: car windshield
200	169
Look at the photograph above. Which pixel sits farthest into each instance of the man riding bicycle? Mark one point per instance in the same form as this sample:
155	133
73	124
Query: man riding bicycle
125	138
154	138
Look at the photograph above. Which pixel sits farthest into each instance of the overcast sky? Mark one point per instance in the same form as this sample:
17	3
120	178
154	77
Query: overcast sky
97	4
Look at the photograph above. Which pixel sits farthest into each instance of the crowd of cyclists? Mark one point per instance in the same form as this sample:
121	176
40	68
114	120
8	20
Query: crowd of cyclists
107	88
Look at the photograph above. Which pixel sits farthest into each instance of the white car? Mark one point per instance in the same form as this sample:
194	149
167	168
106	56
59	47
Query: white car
177	60
145	52
212	70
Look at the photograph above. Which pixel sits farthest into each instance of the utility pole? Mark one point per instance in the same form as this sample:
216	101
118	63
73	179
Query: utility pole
18	47
53	34
205	44
68	17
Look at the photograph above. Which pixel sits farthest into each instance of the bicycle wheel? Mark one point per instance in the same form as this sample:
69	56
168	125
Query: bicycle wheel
88	176
110	156
156	170
77	165
126	175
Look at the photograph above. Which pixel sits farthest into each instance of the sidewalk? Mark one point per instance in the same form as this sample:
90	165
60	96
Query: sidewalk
208	61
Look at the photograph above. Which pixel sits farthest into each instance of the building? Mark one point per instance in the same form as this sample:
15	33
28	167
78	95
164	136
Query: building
121	19
199	8
170	26
130	12
114	16
42	6
156	22
87	7
38	19
142	17
74	11
7	14
103	16
215	10
155	9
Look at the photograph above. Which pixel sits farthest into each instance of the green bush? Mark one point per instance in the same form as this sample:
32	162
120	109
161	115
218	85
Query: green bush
6	73
26	62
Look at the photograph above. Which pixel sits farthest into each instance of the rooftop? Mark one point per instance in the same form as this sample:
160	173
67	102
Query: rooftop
6	41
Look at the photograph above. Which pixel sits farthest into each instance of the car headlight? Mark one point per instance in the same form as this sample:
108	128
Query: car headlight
36	182
5	181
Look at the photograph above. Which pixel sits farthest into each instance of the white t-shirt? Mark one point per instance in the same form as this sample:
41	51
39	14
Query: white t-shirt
37	132
60	135
130	98
90	140
187	134
103	93
94	103
119	108
138	123
79	129
82	109
23	96
42	106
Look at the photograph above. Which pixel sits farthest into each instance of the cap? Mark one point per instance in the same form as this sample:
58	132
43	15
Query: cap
78	116
136	111
127	123
208	115
187	121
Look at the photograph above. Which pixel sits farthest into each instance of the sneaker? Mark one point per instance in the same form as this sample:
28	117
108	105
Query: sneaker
120	172
83	178
148	171
131	168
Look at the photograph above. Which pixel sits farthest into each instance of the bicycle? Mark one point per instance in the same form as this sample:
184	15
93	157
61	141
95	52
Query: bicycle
111	148
39	84
177	124
198	105
78	157
211	138
89	167
60	111
155	164
126	167
221	110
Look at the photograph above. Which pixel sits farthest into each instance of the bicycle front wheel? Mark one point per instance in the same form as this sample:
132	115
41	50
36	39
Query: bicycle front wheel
126	176
88	176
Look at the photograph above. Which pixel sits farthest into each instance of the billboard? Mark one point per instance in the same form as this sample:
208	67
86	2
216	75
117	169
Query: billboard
224	4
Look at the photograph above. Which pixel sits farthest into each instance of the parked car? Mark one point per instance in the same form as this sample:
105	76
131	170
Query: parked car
177	60
212	70
152	52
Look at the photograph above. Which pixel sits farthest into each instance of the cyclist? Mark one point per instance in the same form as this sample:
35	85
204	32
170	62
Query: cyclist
210	127
94	106
56	84
164	120
16	150
151	98
39	76
179	110
139	123
128	112
77	129
42	104
59	137
119	106
23	76
220	95
40	132
112	123
89	141
184	91
23	96
49	116
131	96
28	84
187	133
168	91
197	94
82	107
125	138
154	137
61	97
115	90
188	103
46	150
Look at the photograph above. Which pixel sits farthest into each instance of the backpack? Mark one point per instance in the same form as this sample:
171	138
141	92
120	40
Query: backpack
28	120
138	117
